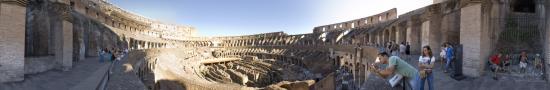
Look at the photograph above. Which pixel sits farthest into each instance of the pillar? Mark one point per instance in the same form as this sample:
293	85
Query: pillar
65	52
413	36
138	44
387	35
393	34
373	38
63	37
431	35
472	39
546	55
12	40
402	34
425	39
379	38
147	45
398	35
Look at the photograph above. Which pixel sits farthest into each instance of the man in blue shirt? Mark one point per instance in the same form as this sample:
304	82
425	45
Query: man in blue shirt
449	56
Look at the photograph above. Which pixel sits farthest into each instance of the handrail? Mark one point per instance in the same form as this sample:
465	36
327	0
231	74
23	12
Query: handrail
105	79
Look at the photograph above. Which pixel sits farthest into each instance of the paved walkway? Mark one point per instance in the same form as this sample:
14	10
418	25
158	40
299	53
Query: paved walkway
122	79
58	80
444	82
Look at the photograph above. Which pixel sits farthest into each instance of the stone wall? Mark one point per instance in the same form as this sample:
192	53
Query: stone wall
547	41
36	65
470	31
359	23
414	35
450	28
12	41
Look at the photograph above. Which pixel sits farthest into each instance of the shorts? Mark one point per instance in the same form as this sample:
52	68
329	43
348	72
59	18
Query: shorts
522	64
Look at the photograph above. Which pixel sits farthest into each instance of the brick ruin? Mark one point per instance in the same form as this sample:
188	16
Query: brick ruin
41	35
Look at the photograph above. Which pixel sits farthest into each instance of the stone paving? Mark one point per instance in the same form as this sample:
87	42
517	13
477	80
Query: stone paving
444	82
120	79
78	76
57	79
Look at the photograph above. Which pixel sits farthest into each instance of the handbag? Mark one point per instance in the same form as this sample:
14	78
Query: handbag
424	73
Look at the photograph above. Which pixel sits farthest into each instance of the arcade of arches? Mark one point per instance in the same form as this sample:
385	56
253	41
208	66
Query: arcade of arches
34	39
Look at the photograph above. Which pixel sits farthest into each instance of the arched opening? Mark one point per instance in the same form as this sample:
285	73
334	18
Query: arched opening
525	6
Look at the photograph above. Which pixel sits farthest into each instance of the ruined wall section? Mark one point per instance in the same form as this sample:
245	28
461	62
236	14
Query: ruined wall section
117	17
358	23
56	36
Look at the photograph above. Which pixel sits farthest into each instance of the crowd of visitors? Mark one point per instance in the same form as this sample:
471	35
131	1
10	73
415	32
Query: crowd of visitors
415	78
111	55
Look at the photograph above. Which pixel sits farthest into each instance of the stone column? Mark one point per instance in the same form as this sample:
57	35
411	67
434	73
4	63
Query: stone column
413	36
145	45
393	33
546	54
398	35
380	38
408	34
431	35
403	34
12	40
386	35
67	45
372	38
63	36
138	45
425	39
471	38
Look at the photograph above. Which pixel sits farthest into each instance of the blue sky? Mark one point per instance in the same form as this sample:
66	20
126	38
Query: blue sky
243	17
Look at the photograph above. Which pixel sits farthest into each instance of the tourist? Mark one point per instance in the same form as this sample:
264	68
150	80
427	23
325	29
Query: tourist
125	50
425	65
408	49
495	64
395	49
114	54
442	54
449	56
396	65
538	62
108	54
523	61
380	48
505	61
101	54
402	48
388	47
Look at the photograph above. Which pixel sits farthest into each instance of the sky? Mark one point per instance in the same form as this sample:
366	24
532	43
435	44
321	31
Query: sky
245	17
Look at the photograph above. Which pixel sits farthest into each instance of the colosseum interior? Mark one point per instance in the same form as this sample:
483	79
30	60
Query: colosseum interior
54	45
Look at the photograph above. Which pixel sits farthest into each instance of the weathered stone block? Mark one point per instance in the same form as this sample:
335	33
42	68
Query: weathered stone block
470	29
67	45
12	42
